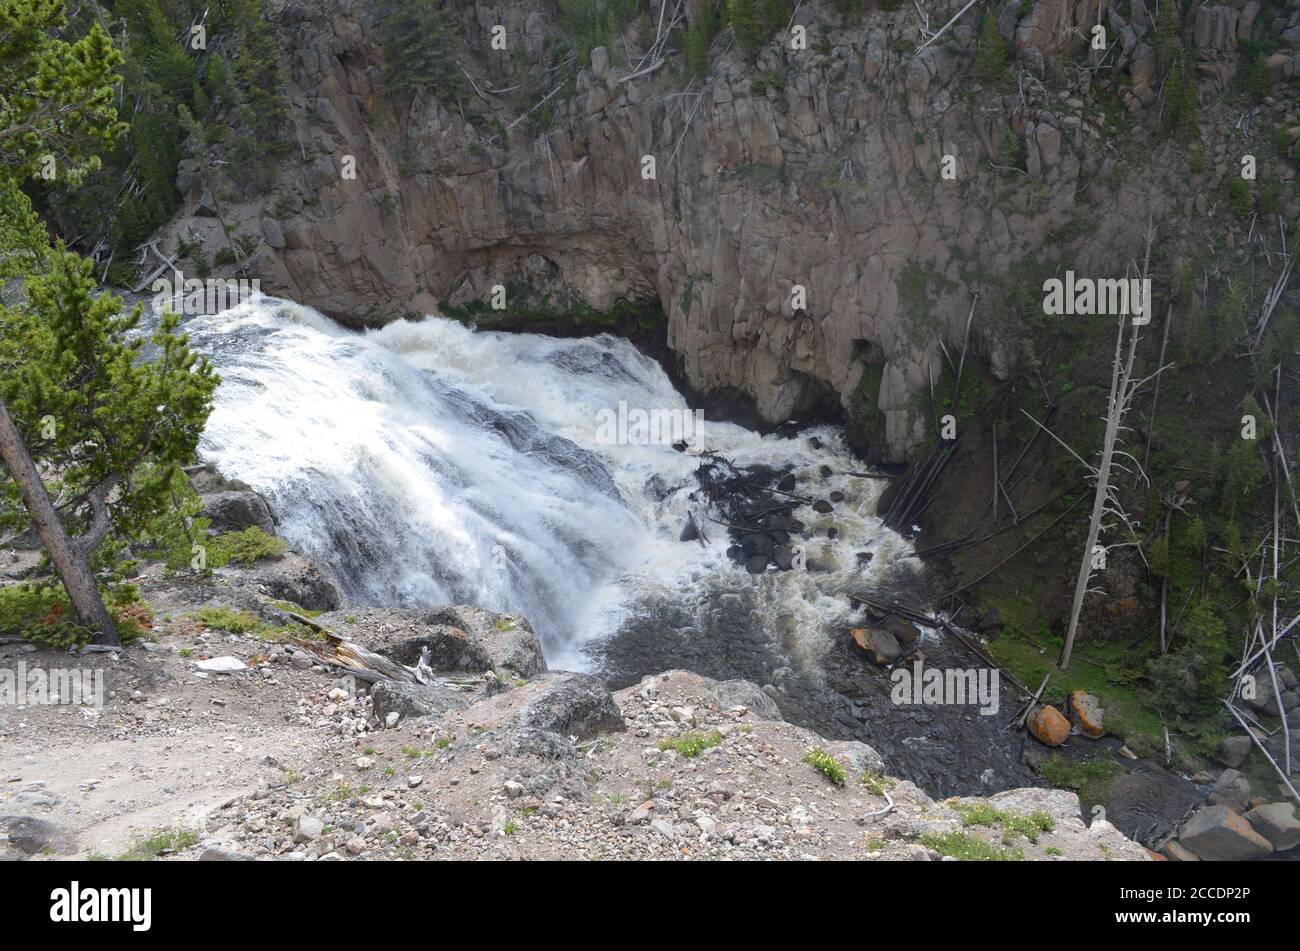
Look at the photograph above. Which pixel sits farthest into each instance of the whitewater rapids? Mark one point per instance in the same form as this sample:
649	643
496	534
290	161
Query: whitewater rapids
426	463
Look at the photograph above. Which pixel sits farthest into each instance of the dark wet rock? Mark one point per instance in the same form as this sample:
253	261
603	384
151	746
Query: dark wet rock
756	564
783	556
32	835
832	533
1149	802
293	578
689	532
989	622
906	633
864	557
743	693
825	472
235	510
413	700
823	507
837	496
571	704
787	483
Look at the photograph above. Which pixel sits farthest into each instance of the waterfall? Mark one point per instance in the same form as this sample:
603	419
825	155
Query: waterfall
427	463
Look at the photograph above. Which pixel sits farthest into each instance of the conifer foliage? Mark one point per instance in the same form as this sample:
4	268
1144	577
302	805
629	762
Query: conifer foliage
421	45
93	430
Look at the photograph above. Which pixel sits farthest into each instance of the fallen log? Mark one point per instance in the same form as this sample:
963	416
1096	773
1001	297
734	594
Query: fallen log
350	657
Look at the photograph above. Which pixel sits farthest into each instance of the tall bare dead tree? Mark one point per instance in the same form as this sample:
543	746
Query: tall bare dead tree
1106	504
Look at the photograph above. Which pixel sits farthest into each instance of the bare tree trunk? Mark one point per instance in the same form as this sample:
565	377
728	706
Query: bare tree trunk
71	557
1122	388
1118	384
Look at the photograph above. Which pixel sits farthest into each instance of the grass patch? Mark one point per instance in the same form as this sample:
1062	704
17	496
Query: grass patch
164	840
1012	826
1102	668
827	765
691	744
245	547
228	619
876	783
1091	779
969	848
295	608
245	622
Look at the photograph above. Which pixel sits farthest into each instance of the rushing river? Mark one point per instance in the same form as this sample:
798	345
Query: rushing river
426	463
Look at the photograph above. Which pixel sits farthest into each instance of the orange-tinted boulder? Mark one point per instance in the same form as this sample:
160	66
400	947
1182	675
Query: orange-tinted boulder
1087	713
1049	725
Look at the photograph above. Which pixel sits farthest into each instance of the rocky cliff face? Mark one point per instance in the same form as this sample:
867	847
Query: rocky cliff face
876	178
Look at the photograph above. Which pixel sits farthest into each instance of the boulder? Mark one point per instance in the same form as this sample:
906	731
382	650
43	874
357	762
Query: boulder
879	645
1087	713
508	638
273	233
452	639
1049	725
743	693
571	704
1217	834
215	853
412	700
237	509
31	835
1232	789
293	578
1233	750
1276	821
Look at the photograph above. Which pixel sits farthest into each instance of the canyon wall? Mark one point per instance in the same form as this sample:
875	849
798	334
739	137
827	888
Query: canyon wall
821	167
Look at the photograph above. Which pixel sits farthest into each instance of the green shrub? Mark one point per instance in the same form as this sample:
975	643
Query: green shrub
827	765
969	848
1030	826
244	547
692	744
876	783
41	612
1239	198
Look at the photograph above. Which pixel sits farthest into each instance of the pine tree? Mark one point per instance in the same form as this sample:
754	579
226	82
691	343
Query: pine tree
991	55
79	407
56	98
110	428
742	16
421	46
699	40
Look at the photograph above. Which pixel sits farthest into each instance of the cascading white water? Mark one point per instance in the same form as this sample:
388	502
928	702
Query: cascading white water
426	463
